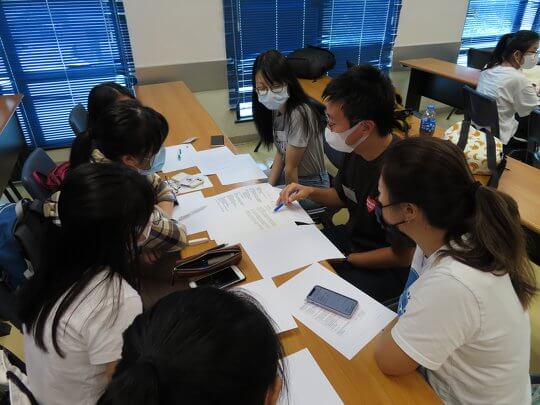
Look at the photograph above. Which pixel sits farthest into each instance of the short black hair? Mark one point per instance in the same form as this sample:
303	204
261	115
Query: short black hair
366	94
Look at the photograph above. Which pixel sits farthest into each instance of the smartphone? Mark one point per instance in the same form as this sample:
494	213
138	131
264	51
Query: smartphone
222	279
217	140
332	301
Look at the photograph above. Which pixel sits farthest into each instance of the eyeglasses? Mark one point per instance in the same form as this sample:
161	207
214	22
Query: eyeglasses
274	89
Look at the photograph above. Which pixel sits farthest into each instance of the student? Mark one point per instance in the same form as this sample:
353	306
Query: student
132	134
77	305
100	98
463	315
202	346
360	107
503	80
286	117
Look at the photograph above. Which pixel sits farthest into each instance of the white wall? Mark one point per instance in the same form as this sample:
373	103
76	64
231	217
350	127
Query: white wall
431	22
170	32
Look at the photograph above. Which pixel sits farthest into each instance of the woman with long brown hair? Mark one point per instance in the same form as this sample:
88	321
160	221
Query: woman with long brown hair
463	315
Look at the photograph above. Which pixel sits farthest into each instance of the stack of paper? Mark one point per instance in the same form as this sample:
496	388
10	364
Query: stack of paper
266	293
192	212
179	157
278	251
247	211
348	336
307	384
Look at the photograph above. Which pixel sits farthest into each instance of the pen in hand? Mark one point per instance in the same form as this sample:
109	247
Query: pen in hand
281	204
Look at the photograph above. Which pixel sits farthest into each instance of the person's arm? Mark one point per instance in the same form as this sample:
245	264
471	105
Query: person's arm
110	368
525	100
277	168
166	234
386	257
293	156
165	197
324	196
390	358
167	207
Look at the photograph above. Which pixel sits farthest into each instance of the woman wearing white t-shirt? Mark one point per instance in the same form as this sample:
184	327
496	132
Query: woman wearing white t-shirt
463	313
82	298
504	80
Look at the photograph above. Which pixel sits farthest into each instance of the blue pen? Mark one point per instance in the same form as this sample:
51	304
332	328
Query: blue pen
280	205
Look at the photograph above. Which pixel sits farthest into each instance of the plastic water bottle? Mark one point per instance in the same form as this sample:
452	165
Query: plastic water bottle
428	121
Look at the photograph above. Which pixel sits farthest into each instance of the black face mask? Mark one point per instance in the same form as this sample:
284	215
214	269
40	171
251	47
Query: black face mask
392	229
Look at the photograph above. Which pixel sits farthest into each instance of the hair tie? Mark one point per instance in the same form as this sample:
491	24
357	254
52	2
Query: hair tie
473	188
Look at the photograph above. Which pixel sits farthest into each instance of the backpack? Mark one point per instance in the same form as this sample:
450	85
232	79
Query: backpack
54	179
21	230
311	62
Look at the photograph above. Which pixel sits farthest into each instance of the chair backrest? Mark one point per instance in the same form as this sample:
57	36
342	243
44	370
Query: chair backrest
534	130
39	161
481	110
78	119
478	58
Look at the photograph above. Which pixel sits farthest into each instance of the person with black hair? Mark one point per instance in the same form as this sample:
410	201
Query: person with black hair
503	80
75	308
199	347
100	98
132	134
463	314
286	117
360	110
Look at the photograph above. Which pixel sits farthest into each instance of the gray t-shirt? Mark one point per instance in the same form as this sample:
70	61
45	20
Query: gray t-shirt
293	131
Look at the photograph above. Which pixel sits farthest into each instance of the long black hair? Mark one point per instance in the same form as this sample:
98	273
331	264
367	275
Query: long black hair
509	43
103	208
126	128
434	175
200	346
275	69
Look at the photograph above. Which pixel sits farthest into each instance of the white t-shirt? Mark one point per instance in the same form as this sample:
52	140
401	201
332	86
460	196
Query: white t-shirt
514	94
469	330
89	336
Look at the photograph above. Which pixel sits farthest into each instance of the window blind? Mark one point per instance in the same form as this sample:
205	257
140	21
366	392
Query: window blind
54	52
488	20
360	31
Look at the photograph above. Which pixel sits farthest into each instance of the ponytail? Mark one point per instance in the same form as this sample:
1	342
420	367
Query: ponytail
508	44
497	54
497	243
137	383
81	149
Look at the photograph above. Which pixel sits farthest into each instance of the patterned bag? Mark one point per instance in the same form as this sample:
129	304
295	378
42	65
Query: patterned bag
484	152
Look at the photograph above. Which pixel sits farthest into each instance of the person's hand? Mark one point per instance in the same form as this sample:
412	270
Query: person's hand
294	192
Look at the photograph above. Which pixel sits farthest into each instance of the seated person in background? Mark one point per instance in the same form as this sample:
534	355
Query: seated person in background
503	80
360	107
132	134
100	98
201	346
288	118
76	307
463	315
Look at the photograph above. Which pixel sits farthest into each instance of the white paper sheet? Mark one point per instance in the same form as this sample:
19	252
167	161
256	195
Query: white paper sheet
348	336
184	189
278	251
246	211
266	293
172	163
241	168
306	382
192	212
212	160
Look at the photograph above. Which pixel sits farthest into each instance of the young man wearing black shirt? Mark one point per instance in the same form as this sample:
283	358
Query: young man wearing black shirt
359	107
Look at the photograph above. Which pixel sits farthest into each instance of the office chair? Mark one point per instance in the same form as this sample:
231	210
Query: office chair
78	119
533	143
39	161
481	111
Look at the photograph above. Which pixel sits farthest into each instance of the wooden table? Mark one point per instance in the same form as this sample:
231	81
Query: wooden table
11	142
519	180
439	80
358	381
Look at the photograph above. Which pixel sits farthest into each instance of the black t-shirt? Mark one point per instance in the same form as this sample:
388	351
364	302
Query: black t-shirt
356	183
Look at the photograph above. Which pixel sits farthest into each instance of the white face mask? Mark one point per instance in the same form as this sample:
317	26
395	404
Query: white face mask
272	100
337	140
530	61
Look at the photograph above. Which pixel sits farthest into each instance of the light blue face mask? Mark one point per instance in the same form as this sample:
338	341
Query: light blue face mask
156	164
272	100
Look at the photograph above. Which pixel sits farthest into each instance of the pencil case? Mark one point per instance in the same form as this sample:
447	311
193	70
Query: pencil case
207	262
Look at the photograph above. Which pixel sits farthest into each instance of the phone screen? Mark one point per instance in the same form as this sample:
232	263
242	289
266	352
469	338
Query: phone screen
220	279
217	140
332	300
